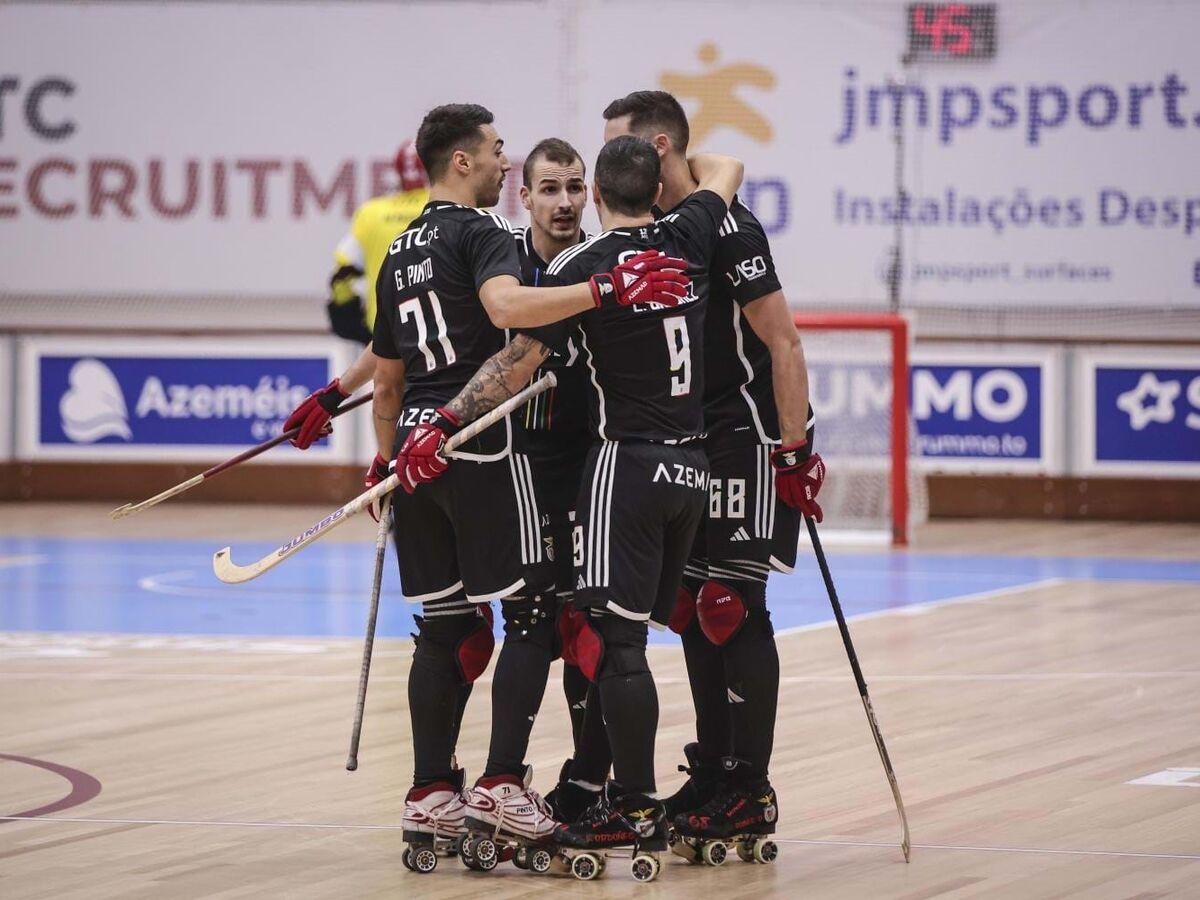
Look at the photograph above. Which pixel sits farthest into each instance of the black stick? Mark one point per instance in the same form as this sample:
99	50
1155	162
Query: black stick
905	841
369	641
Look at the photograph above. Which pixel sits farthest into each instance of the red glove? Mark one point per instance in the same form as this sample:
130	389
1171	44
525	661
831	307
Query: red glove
649	277
420	458
313	415
377	471
799	475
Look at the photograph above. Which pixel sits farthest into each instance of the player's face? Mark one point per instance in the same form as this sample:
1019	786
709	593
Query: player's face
556	199
490	167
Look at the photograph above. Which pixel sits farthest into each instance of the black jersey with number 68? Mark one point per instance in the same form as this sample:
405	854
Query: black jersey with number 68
645	363
429	311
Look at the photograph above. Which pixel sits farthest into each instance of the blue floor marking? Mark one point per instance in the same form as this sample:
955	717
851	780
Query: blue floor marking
167	587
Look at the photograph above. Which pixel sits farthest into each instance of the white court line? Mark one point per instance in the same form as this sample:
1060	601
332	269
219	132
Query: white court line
916	609
357	827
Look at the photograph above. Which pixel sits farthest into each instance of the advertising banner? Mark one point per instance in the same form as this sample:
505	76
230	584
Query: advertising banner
125	399
1138	411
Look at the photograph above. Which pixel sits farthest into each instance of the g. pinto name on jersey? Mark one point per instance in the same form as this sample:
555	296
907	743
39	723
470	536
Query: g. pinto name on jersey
686	476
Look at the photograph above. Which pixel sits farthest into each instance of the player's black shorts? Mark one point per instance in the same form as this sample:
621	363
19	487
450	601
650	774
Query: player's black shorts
638	510
746	519
476	528
557	473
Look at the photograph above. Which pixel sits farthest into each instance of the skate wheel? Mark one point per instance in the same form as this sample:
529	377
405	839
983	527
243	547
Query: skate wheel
521	858
745	851
713	853
466	852
765	851
486	855
406	858
645	867
424	860
539	861
585	866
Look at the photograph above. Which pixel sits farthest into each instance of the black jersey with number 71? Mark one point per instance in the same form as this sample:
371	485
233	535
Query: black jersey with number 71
645	362
429	311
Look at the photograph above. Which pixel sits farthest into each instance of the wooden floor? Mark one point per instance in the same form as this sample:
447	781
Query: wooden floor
1015	724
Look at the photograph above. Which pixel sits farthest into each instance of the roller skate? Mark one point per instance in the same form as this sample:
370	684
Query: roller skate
434	823
507	819
703	780
569	800
635	825
740	815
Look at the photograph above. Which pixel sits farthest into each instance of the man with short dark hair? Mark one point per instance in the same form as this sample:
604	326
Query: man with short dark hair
759	445
448	288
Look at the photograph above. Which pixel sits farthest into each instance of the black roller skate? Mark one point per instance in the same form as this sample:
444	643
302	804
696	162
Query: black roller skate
634	825
434	823
703	779
741	814
568	799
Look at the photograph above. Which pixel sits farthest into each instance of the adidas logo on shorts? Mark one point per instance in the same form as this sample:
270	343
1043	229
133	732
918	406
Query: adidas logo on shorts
741	534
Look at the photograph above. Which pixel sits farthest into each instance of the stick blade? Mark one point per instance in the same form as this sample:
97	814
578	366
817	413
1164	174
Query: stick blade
121	512
229	572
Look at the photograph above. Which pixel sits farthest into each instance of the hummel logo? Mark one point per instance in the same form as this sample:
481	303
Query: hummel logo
741	534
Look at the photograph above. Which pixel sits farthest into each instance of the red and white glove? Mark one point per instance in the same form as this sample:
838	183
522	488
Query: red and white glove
799	475
420	458
379	469
313	414
649	277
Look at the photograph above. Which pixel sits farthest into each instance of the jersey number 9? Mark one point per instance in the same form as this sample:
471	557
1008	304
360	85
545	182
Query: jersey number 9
679	348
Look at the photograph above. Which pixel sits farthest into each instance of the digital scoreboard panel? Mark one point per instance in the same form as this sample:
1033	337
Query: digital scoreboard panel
950	31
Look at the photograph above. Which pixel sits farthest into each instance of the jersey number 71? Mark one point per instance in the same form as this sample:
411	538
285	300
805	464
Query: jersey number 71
412	309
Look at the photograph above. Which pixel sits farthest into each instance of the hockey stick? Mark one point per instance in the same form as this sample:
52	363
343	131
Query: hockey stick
130	509
905	841
369	642
231	573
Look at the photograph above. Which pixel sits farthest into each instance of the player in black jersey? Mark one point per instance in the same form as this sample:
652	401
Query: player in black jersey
764	477
449	286
645	485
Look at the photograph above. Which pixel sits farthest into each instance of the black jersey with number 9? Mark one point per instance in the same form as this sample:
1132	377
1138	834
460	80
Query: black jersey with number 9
645	362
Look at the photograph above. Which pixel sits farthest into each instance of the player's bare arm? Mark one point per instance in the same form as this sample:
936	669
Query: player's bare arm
360	372
510	304
389	399
499	378
772	321
720	174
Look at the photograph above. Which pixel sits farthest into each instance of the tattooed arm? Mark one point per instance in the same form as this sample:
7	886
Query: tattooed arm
507	372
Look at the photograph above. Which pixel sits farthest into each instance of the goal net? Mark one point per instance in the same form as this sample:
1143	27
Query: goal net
858	385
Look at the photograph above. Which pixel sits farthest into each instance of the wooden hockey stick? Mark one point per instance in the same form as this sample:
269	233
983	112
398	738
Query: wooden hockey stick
231	573
360	705
130	509
905	840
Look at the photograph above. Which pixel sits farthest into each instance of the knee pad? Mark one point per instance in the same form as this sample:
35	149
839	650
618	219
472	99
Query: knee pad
474	649
570	621
683	612
721	612
530	621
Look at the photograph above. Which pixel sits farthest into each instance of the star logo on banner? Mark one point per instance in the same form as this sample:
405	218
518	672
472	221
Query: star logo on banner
1163	394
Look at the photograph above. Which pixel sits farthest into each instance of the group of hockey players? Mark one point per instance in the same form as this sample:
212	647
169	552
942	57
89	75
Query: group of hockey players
657	484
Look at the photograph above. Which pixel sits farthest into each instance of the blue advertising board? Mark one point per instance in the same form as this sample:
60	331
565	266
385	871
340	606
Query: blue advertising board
118	399
1140	411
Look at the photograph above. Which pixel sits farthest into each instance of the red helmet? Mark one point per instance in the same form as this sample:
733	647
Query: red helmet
408	165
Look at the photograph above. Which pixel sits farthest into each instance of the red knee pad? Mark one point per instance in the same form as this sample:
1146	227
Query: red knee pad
721	612
683	612
569	619
588	647
475	649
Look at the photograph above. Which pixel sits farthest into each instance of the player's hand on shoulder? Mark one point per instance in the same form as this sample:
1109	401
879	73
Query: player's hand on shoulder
420	458
649	277
379	469
799	475
313	414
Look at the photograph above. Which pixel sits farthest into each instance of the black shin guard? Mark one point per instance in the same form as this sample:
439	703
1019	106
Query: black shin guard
706	677
575	688
630	701
593	754
752	673
436	693
519	682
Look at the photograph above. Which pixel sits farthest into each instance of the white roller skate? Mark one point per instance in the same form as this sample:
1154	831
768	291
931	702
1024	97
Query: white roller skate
507	819
434	823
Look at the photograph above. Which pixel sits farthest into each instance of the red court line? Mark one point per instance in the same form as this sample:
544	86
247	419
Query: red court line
84	787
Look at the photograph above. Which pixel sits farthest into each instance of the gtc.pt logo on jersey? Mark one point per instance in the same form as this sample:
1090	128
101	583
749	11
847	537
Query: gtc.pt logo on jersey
1147	415
169	400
